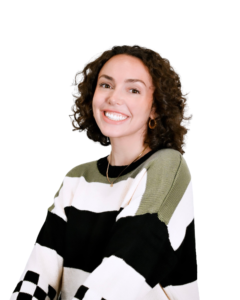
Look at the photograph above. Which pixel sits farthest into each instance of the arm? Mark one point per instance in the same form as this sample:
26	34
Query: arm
142	252
181	283
43	272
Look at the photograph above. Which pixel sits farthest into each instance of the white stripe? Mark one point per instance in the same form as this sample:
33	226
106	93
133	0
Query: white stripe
48	264
65	196
181	218
72	280
187	291
101	197
114	279
91	295
136	196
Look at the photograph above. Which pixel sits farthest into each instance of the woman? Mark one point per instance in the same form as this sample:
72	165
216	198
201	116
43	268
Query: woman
122	227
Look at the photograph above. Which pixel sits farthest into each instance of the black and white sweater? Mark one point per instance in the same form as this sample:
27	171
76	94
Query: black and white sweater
123	242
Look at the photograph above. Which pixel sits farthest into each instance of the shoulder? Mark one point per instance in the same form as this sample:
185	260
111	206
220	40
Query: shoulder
82	169
168	176
168	155
88	171
64	195
71	178
167	160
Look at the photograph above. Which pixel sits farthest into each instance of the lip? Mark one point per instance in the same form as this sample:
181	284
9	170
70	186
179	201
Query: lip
112	121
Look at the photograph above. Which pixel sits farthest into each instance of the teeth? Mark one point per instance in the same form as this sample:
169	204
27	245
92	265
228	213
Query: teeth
115	117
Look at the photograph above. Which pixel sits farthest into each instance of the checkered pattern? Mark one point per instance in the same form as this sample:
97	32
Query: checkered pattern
28	288
81	292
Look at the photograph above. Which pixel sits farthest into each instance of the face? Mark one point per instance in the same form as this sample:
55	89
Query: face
123	97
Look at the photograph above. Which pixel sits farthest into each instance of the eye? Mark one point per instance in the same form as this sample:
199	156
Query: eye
136	90
102	84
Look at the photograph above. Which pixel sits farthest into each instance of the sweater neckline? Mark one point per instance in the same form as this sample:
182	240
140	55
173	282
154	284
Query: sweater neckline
114	171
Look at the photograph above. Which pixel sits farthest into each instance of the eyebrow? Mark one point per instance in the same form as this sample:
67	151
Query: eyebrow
127	80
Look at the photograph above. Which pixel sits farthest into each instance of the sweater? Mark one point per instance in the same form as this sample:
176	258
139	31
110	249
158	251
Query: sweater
132	241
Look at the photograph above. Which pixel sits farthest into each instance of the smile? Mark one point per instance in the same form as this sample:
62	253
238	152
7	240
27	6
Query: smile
114	118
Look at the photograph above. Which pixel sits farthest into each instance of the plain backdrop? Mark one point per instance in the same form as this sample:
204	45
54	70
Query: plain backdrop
45	43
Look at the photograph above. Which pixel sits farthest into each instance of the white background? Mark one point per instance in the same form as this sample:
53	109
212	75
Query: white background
45	43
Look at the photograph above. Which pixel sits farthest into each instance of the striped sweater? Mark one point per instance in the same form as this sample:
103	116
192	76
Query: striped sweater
134	240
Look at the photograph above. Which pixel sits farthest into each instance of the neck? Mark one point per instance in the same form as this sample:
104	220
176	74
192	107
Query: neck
125	153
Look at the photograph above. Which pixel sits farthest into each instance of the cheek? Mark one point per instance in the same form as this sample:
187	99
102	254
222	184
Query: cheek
95	101
97	104
97	98
139	109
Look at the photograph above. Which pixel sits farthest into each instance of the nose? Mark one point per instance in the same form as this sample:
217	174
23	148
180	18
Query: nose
115	97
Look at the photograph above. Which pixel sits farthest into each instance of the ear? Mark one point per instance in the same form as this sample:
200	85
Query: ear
153	113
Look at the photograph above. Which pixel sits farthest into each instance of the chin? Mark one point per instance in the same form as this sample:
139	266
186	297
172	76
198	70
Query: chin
113	134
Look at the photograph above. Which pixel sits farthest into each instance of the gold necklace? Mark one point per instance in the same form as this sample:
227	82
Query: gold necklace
125	168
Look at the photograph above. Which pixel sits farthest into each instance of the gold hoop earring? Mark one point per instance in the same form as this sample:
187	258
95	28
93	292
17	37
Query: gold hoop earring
152	126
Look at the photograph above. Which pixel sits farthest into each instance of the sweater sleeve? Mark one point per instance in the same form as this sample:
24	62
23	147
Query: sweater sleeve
151	252
41	278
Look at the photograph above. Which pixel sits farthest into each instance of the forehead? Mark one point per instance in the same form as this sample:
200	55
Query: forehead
123	66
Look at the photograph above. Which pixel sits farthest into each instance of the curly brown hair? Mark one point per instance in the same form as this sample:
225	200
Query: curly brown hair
168	100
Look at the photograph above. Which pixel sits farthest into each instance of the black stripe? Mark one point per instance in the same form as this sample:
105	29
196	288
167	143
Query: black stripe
52	233
186	268
143	242
87	234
